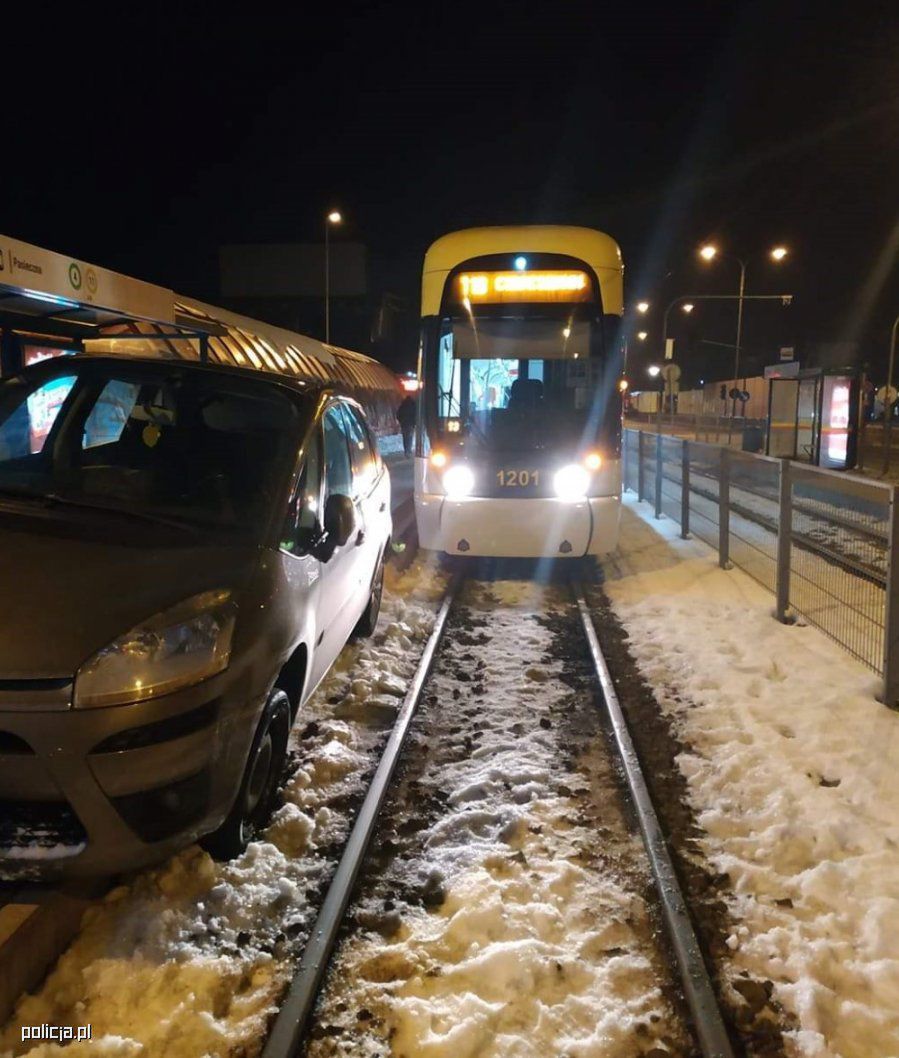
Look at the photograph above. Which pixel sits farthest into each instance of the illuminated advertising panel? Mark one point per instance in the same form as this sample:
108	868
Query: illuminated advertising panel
496	288
835	424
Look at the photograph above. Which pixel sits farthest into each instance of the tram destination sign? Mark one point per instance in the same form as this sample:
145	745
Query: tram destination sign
69	283
554	285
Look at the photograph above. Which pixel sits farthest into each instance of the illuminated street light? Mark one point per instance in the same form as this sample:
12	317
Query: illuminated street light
778	253
654	370
688	308
643	307
334	217
642	335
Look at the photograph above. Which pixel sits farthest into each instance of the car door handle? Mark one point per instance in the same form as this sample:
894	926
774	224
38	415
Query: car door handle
360	538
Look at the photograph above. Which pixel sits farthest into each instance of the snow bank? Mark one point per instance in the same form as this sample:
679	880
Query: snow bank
792	771
190	959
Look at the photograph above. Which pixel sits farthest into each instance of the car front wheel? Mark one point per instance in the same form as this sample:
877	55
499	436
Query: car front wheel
259	786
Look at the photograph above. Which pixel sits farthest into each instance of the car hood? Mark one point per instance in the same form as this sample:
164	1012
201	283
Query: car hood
63	598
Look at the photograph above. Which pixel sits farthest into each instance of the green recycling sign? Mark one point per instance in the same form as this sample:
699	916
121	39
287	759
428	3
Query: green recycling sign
75	276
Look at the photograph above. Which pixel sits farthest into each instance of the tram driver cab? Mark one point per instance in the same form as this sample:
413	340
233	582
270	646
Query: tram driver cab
518	448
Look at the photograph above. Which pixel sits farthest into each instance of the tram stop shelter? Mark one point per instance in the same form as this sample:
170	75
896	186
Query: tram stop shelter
813	415
51	304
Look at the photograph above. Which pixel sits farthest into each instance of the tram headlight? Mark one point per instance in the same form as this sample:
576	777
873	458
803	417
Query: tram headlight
458	481
571	483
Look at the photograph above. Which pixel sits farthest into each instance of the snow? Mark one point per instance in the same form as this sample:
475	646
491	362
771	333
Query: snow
537	941
790	763
191	958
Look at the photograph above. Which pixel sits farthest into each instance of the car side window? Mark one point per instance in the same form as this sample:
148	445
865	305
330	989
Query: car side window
370	438
302	525
365	464
108	417
338	469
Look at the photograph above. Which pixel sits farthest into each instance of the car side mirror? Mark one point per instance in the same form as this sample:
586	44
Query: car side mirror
340	518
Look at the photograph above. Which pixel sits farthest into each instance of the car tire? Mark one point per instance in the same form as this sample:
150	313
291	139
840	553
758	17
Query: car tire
260	783
368	622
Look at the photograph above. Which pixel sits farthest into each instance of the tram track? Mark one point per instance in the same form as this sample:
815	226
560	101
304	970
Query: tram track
299	1021
460	775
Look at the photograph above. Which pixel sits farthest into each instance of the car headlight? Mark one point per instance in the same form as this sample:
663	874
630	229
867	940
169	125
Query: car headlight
571	482
179	647
458	481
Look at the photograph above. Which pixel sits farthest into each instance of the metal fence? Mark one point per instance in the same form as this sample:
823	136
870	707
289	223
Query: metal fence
821	541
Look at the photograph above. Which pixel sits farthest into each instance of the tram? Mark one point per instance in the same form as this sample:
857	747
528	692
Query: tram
518	439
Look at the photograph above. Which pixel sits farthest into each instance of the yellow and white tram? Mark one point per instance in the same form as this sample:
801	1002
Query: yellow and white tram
519	427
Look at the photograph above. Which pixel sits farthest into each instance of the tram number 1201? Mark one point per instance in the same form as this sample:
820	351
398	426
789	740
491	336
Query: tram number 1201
517	479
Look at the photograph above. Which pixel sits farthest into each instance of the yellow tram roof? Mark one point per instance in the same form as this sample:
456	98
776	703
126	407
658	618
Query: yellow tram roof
594	248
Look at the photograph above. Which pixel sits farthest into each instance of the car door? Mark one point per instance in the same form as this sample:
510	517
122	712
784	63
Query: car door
302	565
341	572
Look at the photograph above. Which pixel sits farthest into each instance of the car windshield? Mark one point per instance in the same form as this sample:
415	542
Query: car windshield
149	441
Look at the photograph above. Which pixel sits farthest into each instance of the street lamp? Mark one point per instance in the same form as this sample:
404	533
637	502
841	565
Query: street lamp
708	253
653	370
333	217
642	307
642	335
688	308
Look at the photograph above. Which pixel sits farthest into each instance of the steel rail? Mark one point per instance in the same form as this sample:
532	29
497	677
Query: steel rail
711	1033
290	1023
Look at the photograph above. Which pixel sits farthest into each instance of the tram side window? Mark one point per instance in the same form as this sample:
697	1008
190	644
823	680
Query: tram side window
449	380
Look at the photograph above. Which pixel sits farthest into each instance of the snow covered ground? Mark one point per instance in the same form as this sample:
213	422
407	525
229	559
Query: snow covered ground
792	771
190	959
508	918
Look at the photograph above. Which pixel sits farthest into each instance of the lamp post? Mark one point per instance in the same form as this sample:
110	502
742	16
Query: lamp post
687	308
708	253
333	217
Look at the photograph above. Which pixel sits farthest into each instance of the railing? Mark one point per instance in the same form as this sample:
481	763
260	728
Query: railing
821	541
716	429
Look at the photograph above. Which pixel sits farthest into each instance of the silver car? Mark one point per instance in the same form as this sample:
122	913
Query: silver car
184	550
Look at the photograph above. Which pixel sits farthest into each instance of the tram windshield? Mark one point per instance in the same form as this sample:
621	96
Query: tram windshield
522	383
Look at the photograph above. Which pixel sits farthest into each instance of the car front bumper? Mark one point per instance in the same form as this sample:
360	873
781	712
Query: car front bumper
96	791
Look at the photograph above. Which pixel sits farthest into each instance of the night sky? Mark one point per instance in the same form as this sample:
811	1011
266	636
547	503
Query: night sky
145	143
